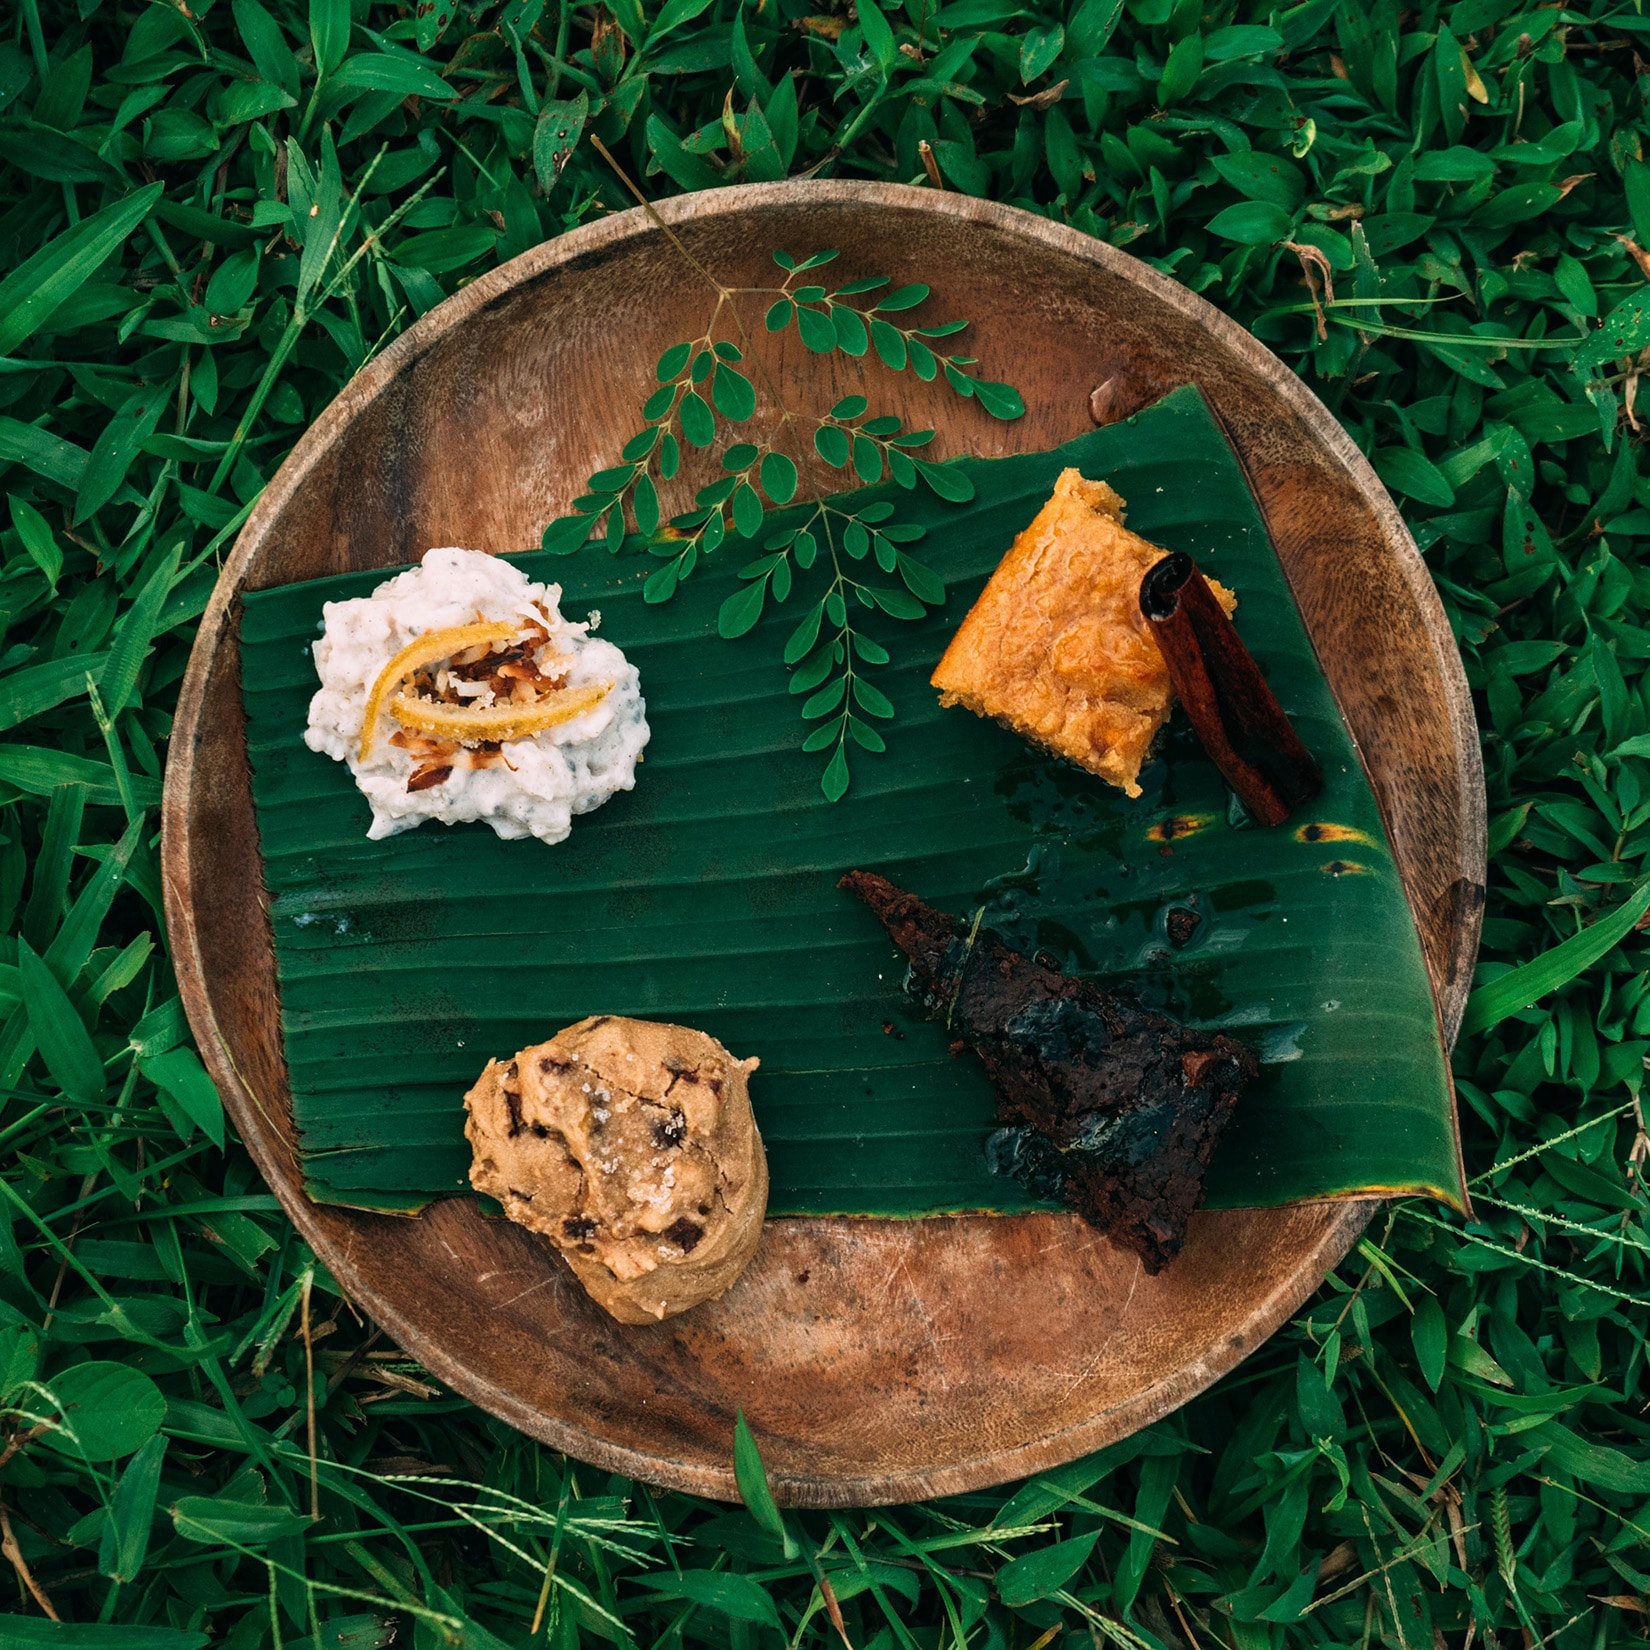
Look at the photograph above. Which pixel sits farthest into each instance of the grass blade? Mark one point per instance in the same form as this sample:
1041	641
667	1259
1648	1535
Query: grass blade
38	285
64	1044
1493	1001
753	1485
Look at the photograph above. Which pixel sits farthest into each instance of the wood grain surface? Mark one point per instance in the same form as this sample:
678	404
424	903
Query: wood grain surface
877	1361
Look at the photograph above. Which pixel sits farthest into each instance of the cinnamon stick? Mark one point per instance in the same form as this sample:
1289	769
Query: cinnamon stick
1236	715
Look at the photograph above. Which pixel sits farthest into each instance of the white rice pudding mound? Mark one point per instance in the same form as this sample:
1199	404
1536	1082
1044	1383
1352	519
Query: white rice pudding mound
529	786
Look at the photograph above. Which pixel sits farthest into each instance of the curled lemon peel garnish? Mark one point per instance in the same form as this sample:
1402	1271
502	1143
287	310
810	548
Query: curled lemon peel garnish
428	649
495	724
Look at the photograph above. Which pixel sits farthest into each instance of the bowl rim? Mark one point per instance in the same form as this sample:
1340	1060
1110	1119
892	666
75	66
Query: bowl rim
1342	1220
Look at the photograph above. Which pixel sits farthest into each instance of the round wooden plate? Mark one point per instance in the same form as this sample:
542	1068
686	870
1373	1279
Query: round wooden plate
876	1360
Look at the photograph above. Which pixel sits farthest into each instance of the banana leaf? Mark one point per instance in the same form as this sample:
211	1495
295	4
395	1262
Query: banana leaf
708	895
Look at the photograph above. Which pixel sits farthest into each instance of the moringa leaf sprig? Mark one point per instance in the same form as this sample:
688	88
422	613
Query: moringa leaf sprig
845	564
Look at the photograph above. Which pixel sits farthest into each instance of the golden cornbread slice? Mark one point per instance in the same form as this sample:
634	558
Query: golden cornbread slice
1056	647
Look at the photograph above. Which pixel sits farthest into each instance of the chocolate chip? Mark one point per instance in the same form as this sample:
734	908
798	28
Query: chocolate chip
684	1234
578	1227
670	1131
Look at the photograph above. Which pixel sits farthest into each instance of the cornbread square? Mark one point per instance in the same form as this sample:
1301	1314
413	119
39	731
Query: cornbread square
1056	648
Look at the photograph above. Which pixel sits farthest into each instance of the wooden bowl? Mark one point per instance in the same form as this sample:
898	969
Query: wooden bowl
876	1360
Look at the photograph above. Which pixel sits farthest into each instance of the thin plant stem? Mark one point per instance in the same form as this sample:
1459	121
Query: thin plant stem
14	1553
564	18
309	1401
302	312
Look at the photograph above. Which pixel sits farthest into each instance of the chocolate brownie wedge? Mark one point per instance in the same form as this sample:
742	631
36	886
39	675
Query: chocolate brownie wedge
1126	1105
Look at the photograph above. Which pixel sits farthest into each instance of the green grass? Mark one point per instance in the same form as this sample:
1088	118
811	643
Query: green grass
205	236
